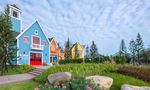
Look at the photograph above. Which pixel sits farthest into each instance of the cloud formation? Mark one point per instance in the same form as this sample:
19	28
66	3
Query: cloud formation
104	21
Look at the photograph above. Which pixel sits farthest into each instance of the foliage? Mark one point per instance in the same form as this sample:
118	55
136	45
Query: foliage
120	59
8	47
87	52
24	68
77	83
123	49
132	49
67	49
77	70
136	71
93	50
67	61
120	79
139	47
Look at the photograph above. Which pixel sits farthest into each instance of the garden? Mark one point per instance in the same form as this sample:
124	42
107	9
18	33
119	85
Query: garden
121	74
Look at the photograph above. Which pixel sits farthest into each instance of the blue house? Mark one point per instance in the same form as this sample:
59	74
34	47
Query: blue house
32	43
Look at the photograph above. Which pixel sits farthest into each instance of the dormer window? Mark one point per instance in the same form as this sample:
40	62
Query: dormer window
15	14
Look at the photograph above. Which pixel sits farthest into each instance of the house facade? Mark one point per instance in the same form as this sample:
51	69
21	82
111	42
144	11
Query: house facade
77	51
32	43
55	52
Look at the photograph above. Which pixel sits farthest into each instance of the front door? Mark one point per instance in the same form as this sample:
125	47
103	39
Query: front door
54	58
35	59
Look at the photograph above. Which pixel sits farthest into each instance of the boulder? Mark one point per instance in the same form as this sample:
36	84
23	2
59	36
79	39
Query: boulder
61	76
131	87
104	83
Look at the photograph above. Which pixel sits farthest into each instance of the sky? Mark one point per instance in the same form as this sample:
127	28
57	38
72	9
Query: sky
106	22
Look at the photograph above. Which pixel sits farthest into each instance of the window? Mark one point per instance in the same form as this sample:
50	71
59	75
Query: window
36	32
53	48
44	43
36	40
26	40
15	14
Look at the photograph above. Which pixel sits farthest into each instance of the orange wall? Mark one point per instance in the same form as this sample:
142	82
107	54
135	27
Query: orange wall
56	50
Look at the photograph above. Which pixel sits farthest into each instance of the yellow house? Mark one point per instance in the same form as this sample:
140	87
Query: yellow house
77	51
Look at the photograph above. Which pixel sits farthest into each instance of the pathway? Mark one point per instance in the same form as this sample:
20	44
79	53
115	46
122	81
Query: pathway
12	79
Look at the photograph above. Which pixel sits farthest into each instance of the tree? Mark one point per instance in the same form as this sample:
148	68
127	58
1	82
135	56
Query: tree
132	51
8	49
67	49
139	47
87	52
93	50
123	49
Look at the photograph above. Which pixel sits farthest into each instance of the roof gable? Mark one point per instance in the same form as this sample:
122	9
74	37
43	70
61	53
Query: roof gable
36	21
77	43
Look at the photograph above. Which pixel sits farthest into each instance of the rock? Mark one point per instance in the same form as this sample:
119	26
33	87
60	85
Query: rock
61	76
104	83
131	87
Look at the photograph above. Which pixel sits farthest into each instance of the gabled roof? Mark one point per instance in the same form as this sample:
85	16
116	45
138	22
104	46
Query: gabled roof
29	27
51	39
76	44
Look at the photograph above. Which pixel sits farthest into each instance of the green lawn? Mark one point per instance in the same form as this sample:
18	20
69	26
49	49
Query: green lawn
28	85
119	79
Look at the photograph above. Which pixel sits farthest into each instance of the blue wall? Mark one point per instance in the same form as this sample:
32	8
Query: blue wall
25	48
16	24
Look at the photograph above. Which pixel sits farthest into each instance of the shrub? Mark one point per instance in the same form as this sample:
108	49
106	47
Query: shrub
120	59
67	61
24	68
136	71
77	70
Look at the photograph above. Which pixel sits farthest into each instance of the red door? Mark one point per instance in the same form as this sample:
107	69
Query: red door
35	59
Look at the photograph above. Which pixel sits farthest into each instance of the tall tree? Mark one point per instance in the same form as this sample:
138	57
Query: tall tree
132	49
139	47
67	49
8	49
93	50
87	52
123	49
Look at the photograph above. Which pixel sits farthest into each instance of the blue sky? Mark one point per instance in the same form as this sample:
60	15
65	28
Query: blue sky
104	21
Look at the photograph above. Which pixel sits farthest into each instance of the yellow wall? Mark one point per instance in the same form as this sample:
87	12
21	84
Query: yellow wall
78	47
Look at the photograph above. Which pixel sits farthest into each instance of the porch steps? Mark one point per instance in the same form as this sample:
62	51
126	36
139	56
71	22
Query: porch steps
36	72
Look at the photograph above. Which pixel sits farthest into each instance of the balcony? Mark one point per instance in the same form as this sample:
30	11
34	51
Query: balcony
36	47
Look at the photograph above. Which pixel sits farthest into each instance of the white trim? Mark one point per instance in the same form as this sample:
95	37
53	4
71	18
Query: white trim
14	8
35	52
29	27
54	41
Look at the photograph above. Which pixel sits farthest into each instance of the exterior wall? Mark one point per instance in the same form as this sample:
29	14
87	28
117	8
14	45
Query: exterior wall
56	51
25	48
16	24
73	51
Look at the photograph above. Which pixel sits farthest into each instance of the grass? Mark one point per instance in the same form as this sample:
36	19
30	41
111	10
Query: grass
77	70
119	79
18	69
28	85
